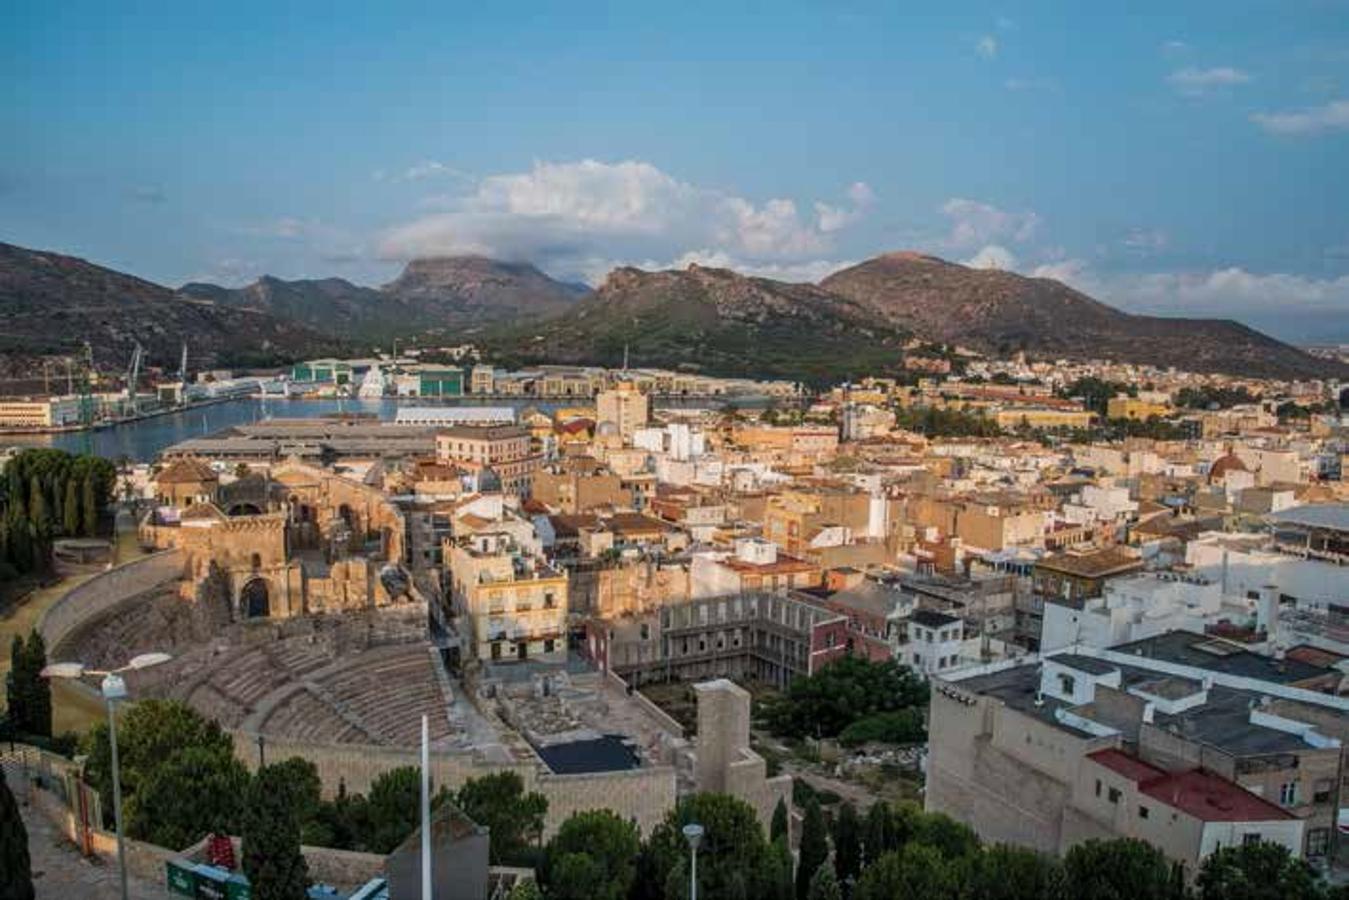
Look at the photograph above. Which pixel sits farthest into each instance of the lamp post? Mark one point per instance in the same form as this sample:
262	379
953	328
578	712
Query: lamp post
113	689
693	833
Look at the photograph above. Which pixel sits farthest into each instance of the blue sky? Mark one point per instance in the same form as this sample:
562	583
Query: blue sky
1177	158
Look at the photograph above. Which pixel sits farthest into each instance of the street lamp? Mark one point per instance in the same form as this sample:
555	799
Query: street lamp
693	833
113	689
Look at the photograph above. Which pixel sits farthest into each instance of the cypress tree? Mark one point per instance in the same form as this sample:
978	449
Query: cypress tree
879	836
20	540
90	504
271	839
814	849
16	682
779	827
847	844
824	886
39	690
38	513
70	510
16	872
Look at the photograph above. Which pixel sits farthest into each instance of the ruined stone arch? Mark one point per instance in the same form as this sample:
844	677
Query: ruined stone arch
255	598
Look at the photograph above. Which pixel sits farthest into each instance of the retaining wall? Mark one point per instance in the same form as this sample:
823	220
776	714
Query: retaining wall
105	592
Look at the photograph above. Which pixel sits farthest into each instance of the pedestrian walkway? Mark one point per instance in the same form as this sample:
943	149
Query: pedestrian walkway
61	873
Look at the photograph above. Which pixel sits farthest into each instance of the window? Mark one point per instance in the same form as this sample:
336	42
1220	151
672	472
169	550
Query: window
1142	812
1066	683
646	632
1321	790
1318	842
1250	838
1288	793
1113	795
549	601
1098	781
548	645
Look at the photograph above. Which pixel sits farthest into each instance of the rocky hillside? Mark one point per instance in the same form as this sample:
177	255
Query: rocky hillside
51	304
1002	312
717	321
431	295
477	289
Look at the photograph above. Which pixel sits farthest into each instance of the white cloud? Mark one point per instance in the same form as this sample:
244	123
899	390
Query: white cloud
1144	241
806	271
986	47
974	223
1174	47
569	217
1332	116
1196	82
992	256
1231	292
834	218
1071	272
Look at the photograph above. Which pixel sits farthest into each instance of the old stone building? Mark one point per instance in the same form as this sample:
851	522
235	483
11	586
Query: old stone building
299	540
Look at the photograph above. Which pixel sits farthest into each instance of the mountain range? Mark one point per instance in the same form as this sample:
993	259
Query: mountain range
706	319
430	296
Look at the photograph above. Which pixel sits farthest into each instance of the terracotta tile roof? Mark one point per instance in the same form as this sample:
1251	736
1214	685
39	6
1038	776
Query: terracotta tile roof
186	471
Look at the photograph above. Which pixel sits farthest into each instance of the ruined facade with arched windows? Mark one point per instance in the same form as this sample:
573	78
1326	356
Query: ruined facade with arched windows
299	539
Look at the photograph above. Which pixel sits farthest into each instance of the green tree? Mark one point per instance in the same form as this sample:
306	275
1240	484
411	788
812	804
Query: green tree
28	694
1004	872
525	890
195	792
878	832
38	689
1260	871
301	778
593	855
1121	869
89	503
18	685
779	826
776	880
952	839
841	693
847	844
393	809
514	817
38	512
149	733
824	885
733	846
271	839
813	850
16	881
70	510
917	871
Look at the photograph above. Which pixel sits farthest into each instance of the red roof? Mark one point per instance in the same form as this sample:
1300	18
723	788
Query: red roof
1196	793
1212	799
1131	767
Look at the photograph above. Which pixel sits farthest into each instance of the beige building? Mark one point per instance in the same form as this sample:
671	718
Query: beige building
1054	751
48	412
505	449
514	604
626	407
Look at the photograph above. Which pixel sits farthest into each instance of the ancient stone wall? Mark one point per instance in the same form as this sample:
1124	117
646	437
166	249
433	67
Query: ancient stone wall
103	593
645	795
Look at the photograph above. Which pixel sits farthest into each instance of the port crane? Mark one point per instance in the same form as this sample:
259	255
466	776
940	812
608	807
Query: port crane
133	374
